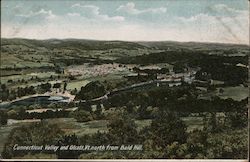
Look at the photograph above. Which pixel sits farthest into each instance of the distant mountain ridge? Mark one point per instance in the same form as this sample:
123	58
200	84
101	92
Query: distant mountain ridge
86	44
72	43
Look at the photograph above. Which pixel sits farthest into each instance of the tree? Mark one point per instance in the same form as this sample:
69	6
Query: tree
237	119
64	86
178	68
57	85
230	145
164	71
31	90
221	90
98	112
21	113
91	90
144	112
122	129
3	87
81	116
12	114
68	154
167	128
74	92
10	81
3	117
4	92
45	87
40	133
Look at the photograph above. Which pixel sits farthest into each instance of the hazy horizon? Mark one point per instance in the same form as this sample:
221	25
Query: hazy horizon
173	41
206	21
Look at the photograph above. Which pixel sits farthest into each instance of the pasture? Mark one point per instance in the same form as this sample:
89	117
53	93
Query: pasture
237	93
77	84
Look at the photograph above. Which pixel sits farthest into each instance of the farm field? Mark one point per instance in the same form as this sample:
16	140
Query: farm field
77	84
237	93
15	61
69	125
15	78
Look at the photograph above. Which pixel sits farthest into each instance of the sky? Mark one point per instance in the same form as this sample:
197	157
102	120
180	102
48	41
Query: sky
224	21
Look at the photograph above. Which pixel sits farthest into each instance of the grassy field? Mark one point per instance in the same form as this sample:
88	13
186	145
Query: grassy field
77	84
217	82
16	61
35	84
8	61
27	76
30	64
70	126
236	93
193	123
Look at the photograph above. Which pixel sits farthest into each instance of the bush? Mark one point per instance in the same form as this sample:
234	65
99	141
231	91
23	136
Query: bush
81	116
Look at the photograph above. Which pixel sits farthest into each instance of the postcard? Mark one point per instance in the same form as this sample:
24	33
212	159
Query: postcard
133	80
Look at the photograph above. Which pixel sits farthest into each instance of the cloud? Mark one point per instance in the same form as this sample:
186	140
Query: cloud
131	9
76	5
5	6
73	14
232	26
92	11
88	21
197	19
46	14
17	7
222	8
